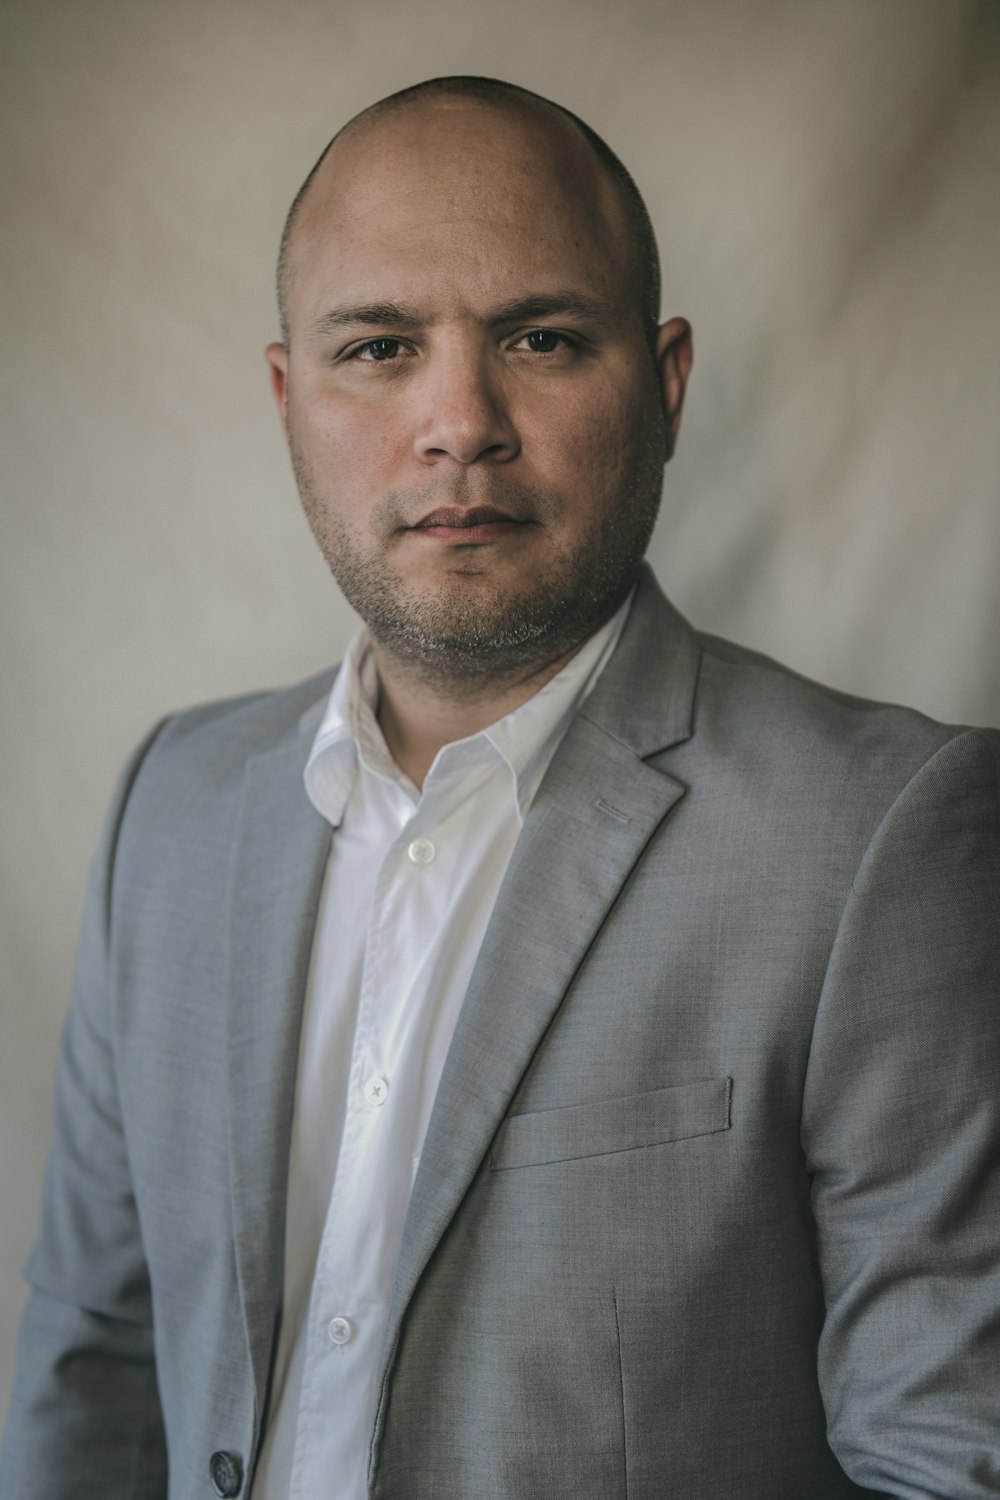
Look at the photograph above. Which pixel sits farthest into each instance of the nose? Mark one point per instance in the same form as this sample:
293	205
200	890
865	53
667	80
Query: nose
464	413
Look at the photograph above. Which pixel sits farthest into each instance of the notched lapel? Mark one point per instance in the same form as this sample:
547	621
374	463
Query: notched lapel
594	814
276	877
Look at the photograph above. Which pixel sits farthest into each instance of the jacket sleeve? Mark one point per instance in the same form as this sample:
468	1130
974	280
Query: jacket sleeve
901	1131
84	1417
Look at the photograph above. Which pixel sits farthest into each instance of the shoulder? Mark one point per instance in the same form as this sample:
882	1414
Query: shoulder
188	773
222	735
812	746
705	703
760	689
250	724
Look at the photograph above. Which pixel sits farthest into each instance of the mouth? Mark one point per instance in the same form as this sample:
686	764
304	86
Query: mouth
468	526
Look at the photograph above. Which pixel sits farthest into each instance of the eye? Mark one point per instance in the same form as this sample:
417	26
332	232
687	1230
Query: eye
544	340
377	350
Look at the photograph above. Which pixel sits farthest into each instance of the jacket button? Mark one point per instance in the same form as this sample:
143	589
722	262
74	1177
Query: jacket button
227	1473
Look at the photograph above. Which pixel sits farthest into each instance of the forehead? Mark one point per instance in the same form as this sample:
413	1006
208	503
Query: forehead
457	190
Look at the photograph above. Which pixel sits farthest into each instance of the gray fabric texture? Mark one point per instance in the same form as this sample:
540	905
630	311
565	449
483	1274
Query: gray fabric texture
709	1203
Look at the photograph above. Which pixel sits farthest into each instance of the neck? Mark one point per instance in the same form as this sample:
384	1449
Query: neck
417	717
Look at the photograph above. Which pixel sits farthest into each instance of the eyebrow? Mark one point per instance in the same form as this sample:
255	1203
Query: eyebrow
517	310
550	305
372	314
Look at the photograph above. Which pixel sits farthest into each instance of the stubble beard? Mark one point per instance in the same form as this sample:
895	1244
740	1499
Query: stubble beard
491	636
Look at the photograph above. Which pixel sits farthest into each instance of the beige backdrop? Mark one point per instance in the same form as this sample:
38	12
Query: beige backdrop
824	178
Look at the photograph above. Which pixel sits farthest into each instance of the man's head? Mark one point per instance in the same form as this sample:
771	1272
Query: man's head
639	232
476	399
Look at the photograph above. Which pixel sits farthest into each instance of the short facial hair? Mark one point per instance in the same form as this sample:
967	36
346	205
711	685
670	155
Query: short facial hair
463	641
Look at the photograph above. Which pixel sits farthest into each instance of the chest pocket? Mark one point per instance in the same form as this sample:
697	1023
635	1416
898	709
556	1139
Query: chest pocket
608	1125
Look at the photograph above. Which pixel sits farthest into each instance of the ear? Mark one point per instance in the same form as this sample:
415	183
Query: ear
277	357
674	358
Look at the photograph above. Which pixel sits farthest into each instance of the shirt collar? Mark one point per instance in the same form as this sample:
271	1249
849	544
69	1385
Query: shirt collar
526	739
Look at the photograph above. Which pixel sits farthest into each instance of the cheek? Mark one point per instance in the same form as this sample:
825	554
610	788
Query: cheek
592	435
346	437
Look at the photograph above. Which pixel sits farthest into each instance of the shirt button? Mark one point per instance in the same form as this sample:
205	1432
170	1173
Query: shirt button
421	851
377	1089
339	1331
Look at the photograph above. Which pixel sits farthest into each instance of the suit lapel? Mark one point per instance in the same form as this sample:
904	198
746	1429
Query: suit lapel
276	877
596	810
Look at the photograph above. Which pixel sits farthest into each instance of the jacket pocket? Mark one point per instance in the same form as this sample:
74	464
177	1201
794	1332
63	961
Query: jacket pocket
608	1125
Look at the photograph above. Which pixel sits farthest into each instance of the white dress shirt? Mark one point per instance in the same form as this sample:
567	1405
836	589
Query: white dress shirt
410	884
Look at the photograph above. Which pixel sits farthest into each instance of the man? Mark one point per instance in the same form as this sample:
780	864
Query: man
609	1107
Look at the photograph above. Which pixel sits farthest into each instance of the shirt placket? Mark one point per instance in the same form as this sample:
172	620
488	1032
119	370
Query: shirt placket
362	1229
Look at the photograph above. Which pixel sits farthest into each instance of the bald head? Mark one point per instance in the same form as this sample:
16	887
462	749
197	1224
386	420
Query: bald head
581	161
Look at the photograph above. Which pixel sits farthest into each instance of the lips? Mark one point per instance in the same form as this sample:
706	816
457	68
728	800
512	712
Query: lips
467	526
456	518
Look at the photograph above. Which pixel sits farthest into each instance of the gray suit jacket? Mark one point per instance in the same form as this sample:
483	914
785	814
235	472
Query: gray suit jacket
709	1205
